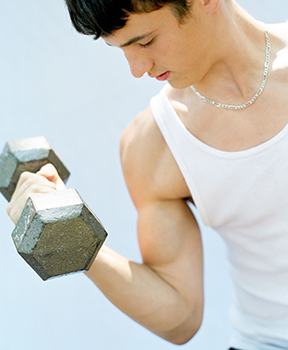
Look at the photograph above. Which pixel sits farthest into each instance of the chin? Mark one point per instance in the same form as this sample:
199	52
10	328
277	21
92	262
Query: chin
178	84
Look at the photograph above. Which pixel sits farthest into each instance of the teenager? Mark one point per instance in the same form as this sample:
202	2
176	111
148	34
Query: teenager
217	136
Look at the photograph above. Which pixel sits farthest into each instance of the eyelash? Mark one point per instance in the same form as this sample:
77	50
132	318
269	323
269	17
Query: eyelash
147	44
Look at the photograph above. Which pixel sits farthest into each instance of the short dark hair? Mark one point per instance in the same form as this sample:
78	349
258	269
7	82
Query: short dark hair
101	18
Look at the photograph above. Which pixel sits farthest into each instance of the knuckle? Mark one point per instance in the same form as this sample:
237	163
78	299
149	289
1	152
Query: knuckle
41	188
34	188
25	175
24	178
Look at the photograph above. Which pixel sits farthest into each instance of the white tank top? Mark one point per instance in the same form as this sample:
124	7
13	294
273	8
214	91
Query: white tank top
244	196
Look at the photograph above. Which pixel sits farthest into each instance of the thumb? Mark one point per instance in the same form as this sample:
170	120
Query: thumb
51	174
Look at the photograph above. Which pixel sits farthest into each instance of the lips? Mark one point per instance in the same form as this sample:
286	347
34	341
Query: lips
163	76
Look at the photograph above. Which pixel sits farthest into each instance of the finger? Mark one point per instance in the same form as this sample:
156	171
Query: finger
32	182
16	205
48	171
28	183
51	174
46	180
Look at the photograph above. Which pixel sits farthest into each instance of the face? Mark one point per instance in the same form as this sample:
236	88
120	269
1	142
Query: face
157	44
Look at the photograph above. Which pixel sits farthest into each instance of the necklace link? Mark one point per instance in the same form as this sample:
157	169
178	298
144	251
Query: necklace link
259	91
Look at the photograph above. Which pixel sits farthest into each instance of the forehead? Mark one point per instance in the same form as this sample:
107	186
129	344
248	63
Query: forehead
141	25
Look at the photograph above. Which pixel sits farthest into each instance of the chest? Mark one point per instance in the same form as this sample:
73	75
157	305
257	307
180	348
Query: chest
243	129
234	131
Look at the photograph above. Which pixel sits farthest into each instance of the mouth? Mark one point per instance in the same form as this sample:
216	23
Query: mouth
162	77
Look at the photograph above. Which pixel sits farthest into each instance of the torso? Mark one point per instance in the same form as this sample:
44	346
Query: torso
225	130
238	130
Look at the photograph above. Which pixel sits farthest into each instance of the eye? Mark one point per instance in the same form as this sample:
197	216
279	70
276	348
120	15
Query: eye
147	44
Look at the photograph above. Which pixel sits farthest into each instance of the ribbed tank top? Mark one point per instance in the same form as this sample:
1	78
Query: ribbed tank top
244	196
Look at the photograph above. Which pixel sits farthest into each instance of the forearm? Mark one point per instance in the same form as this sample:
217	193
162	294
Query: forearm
143	295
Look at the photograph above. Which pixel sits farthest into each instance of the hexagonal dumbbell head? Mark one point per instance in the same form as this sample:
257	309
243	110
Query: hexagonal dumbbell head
26	155
57	234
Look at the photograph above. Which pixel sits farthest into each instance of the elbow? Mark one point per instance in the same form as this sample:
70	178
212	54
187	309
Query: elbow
184	338
183	333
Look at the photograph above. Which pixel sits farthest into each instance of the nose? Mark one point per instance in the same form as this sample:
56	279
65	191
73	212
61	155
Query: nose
139	64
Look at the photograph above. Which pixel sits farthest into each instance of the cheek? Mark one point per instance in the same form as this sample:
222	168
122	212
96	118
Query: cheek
182	52
168	55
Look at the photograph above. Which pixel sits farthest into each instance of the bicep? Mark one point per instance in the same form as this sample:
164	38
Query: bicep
170	244
168	234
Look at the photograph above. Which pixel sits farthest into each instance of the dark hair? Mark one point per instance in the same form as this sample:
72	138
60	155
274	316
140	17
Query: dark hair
103	17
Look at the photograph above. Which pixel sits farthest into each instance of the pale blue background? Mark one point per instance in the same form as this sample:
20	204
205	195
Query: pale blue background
80	95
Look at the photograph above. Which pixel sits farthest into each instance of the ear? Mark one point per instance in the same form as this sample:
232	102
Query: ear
211	6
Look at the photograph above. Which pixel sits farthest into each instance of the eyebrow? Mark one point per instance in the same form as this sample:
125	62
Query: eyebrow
133	40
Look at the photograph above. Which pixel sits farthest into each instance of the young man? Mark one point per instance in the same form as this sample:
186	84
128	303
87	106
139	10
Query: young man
230	161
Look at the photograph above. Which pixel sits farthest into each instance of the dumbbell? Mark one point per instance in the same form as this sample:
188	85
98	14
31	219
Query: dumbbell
57	234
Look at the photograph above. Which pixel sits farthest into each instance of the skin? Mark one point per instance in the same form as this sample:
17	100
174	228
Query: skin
164	293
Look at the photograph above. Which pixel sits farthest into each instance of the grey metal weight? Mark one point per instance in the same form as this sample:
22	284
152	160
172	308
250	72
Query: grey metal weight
28	154
57	234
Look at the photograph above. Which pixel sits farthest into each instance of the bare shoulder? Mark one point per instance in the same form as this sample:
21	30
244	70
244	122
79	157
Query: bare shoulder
149	168
168	234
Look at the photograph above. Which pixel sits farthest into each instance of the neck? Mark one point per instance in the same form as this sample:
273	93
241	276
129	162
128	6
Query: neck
238	56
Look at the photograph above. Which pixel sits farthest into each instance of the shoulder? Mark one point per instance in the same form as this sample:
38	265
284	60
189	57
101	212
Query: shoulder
150	170
141	149
140	132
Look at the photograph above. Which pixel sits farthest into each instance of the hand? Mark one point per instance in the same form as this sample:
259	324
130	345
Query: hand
45	180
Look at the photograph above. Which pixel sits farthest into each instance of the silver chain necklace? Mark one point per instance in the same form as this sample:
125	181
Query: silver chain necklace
259	91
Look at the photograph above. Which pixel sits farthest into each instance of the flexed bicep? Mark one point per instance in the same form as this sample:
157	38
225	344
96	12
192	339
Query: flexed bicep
170	244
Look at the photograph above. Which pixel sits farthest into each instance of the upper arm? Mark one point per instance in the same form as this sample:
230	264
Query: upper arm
168	234
170	243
